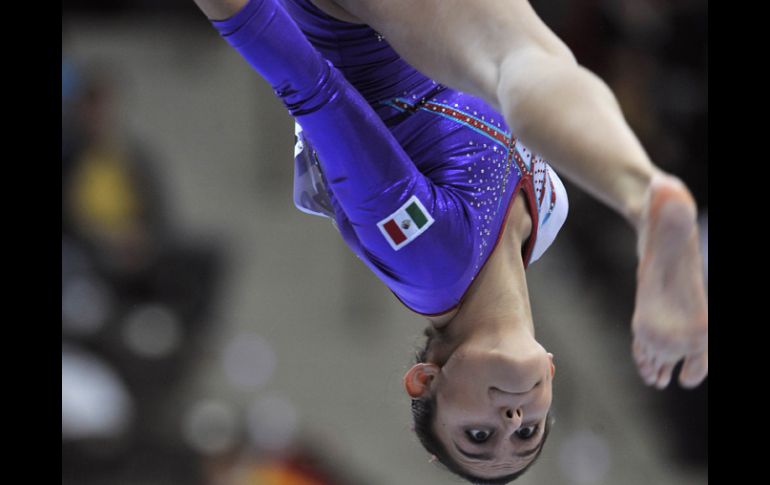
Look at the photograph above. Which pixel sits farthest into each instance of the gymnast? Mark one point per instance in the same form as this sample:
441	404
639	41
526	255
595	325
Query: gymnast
428	132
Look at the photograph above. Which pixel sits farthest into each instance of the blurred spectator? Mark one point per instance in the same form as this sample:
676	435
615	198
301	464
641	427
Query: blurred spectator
134	293
110	195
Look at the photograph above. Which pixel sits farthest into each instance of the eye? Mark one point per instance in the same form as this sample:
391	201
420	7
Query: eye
526	433
478	435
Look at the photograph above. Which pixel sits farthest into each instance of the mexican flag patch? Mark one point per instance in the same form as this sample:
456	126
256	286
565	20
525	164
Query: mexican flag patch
403	226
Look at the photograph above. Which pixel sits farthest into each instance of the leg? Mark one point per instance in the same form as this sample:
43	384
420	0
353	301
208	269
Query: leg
516	63
571	118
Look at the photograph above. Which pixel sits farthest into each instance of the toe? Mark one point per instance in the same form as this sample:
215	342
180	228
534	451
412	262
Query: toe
664	375
650	372
694	370
651	376
646	362
638	353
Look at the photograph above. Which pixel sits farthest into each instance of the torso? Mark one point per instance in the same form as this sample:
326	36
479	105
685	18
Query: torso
329	7
519	222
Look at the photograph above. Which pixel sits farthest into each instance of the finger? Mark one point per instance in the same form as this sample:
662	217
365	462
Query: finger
664	375
694	370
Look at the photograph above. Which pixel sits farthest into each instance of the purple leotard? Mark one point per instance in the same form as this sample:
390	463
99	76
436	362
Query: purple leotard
419	177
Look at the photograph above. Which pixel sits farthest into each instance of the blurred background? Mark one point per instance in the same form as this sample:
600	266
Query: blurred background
214	334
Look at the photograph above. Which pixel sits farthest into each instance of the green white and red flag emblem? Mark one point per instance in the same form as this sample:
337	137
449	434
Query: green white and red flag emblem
404	225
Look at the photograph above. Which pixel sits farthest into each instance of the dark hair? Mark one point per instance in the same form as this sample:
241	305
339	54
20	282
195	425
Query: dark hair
424	413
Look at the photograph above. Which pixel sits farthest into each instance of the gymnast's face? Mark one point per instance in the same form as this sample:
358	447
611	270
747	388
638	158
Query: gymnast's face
492	407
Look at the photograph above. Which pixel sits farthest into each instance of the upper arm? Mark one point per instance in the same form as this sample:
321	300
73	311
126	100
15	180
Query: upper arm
460	43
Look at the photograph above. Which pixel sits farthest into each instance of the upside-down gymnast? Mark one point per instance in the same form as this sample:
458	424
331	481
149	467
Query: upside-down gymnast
424	173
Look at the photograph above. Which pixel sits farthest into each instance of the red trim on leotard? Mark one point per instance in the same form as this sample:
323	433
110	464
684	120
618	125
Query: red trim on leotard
525	182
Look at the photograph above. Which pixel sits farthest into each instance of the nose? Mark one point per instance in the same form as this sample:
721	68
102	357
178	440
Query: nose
513	417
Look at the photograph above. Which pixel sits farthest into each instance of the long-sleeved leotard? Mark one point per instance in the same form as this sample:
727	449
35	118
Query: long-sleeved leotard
420	178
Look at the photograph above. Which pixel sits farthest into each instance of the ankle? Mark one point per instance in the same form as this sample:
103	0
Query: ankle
638	190
663	188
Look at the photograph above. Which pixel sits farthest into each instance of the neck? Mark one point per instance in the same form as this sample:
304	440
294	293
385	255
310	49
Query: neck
497	303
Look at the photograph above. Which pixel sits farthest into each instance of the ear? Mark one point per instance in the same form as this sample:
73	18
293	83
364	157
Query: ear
553	367
417	379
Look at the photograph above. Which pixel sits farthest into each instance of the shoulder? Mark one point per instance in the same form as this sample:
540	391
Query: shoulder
334	9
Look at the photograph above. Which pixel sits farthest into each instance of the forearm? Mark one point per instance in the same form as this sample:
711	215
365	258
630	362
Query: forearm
571	118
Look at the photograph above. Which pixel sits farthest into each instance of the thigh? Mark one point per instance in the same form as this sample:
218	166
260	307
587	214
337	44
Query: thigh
459	43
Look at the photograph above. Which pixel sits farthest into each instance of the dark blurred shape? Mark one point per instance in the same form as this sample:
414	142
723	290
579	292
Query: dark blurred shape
307	463
124	6
135	295
110	197
654	56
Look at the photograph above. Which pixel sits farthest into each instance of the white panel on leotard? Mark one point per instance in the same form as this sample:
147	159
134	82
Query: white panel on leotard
550	224
310	193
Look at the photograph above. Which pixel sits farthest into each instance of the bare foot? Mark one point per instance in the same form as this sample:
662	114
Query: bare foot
670	321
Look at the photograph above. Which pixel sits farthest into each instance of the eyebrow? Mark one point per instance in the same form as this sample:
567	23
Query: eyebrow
474	456
531	451
488	456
